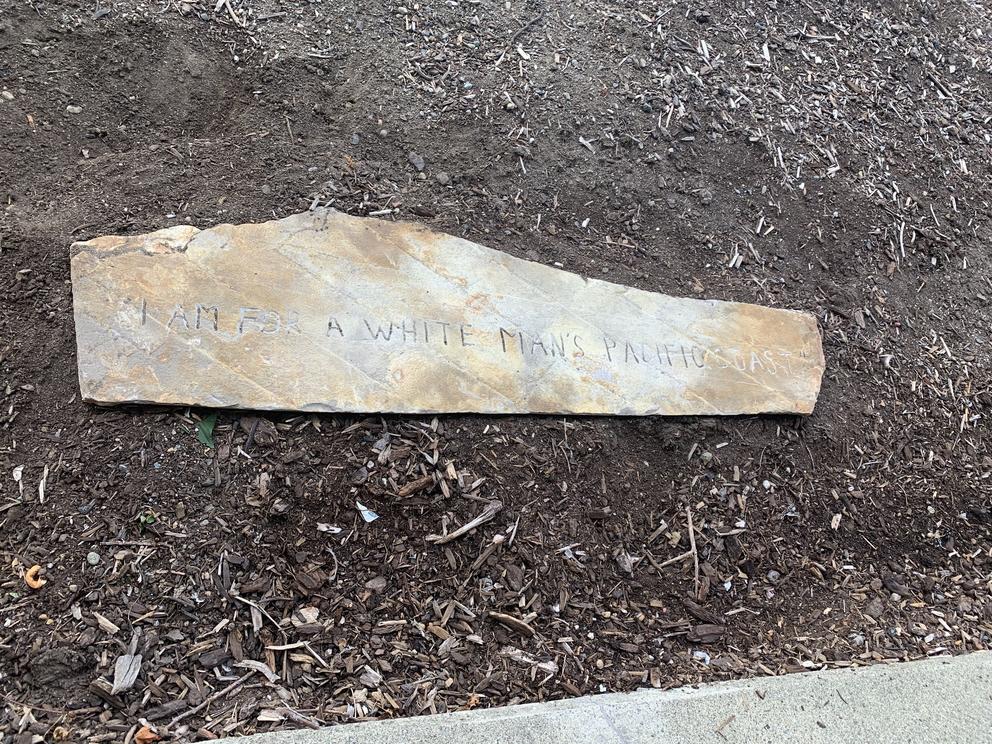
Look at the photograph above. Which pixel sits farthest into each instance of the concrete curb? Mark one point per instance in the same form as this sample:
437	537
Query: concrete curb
946	699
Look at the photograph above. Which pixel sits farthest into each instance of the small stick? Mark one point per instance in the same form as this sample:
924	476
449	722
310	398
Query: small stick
513	623
297	717
216	696
670	561
488	513
692	549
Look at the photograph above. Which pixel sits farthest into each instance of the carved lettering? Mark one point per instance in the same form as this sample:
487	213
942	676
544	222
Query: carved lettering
178	315
770	364
668	356
292	324
609	344
379	332
212	314
263	321
444	330
701	360
561	346
503	335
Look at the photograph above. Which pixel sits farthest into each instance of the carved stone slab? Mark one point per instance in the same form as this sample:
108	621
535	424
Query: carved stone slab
326	312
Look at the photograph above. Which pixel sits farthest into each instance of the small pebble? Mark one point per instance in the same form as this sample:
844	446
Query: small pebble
443	178
774	576
354	139
74	109
7	95
377	584
266	189
93	558
417	161
875	608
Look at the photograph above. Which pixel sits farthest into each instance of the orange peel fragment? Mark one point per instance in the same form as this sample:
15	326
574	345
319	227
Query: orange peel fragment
32	578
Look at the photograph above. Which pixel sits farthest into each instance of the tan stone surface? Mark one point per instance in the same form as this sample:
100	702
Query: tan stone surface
326	312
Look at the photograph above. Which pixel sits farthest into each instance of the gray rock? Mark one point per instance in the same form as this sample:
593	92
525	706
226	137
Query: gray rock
417	161
377	584
93	558
875	608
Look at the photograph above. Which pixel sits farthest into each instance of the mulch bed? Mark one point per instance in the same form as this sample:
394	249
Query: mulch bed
206	577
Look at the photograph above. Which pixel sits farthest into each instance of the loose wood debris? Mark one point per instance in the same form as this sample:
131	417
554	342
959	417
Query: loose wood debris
797	155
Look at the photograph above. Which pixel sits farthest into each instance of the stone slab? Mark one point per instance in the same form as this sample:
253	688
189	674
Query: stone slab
322	311
943	699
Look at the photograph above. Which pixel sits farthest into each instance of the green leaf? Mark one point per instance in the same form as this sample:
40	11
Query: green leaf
205	430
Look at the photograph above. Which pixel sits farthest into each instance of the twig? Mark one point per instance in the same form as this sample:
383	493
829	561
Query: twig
297	717
216	696
692	549
260	609
670	561
514	623
488	513
251	434
54	711
525	28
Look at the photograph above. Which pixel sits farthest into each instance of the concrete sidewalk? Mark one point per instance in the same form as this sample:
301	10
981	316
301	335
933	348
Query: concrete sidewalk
941	700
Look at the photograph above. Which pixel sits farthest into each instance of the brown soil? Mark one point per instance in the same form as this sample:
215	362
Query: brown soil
646	144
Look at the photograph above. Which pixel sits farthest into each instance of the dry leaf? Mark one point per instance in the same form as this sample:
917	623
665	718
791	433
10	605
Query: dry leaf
146	736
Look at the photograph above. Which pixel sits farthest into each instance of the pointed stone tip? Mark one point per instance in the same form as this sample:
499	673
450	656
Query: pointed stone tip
167	240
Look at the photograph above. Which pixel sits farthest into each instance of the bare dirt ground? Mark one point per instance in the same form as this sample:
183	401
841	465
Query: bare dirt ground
829	157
